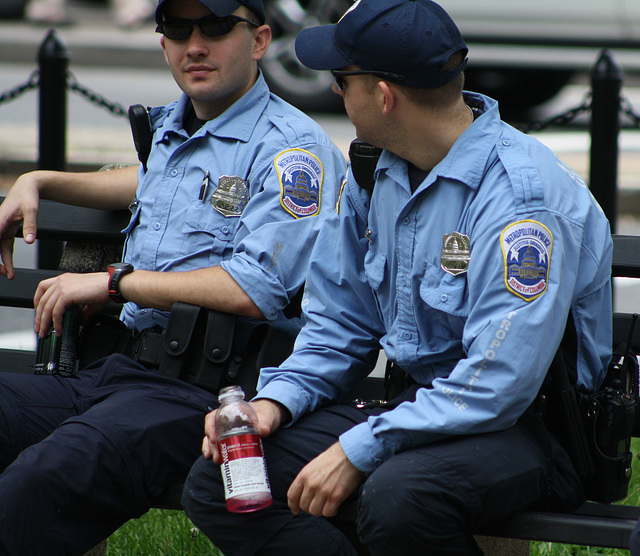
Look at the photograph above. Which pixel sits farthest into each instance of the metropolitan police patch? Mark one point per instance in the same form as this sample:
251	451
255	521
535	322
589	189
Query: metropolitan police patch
526	246
301	175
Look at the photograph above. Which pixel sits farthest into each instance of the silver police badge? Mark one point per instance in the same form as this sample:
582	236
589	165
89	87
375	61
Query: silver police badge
231	196
456	253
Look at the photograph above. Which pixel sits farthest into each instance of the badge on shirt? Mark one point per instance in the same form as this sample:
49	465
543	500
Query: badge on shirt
456	253
301	175
231	196
526	247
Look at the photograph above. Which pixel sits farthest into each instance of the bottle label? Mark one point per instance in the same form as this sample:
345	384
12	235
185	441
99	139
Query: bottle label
244	469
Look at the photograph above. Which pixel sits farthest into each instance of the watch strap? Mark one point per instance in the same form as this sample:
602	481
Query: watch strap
116	272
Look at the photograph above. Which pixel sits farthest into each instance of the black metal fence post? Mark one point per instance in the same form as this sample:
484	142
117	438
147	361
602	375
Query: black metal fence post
606	83
53	61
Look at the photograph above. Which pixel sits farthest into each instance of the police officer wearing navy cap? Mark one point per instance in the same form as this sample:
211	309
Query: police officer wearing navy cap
476	250
220	220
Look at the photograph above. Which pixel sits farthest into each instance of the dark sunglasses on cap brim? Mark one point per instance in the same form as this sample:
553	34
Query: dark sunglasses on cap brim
210	26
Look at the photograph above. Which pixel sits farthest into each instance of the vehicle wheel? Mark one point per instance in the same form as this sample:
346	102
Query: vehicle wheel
309	90
10	9
517	90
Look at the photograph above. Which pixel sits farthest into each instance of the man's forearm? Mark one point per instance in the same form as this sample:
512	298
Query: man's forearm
213	288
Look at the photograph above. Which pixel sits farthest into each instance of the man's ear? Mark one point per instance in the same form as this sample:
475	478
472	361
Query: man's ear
164	48
261	41
388	97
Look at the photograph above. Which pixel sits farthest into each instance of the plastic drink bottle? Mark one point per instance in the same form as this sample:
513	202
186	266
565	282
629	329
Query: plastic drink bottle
243	468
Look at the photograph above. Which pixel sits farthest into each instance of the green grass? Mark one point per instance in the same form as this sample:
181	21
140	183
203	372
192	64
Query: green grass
170	533
160	533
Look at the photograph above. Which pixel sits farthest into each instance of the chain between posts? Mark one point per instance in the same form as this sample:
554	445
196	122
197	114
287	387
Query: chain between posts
32	83
561	119
72	84
627	109
118	110
113	107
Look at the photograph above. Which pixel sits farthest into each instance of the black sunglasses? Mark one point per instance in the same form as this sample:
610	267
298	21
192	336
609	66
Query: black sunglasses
338	75
211	26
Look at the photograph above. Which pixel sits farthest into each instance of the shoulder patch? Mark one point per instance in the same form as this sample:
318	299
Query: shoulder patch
526	247
301	174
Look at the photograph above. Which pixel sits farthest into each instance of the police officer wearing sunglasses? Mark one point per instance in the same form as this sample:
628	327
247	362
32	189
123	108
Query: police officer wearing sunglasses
224	216
472	257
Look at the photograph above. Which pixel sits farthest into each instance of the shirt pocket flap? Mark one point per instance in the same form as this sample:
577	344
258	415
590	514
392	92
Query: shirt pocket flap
445	292
201	217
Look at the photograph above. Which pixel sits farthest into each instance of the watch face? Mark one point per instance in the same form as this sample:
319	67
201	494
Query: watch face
121	266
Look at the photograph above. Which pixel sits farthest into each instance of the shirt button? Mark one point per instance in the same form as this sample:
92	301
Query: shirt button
506	142
174	173
407	335
225	230
444	298
406	220
156	226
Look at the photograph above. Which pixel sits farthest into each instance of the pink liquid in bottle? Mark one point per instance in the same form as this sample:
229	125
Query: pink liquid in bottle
243	467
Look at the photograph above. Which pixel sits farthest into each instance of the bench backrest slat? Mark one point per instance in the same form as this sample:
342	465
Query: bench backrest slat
626	256
58	221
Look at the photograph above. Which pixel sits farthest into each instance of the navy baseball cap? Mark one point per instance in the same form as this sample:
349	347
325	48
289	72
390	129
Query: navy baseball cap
412	38
221	8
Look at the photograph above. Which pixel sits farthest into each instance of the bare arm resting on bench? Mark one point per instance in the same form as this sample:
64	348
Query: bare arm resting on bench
210	287
104	190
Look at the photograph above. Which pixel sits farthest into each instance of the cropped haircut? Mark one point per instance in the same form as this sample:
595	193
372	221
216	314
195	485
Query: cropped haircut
438	97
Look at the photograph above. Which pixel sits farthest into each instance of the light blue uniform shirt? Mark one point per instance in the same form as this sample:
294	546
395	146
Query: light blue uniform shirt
483	338
266	247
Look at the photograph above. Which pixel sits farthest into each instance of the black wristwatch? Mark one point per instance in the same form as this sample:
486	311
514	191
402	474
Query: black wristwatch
116	272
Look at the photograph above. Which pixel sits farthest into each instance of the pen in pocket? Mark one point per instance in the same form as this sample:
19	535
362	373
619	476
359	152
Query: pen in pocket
204	186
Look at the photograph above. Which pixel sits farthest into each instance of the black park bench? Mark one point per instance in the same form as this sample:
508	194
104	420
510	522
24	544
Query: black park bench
94	239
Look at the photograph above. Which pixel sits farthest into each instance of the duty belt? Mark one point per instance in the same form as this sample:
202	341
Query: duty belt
146	347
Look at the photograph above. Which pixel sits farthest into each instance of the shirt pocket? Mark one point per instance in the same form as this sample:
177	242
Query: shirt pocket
204	228
447	294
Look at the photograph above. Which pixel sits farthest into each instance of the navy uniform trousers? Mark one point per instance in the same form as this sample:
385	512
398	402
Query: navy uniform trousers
80	456
428	500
